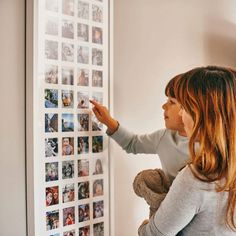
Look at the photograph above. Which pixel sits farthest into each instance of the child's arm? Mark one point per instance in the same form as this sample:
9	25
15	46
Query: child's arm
129	141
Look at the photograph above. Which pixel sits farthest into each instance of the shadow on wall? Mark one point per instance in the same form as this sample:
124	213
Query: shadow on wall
220	42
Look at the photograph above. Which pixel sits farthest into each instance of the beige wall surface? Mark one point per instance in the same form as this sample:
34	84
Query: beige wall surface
153	41
12	119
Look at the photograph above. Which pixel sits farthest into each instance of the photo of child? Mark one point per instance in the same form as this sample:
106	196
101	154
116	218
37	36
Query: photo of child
98	229
97	59
97	187
68	216
83	190
67	52
97	144
83	32
83	10
97	35
67	98
96	125
97	13
83	145
67	146
69	233
83	77
98	209
68	7
51	50
98	167
67	76
83	54
51	171
67	169
51	98
84	212
83	100
51	122
52	196
68	193
51	147
83	122
51	26
51	5
84	231
51	74
97	78
67	122
67	29
83	168
52	220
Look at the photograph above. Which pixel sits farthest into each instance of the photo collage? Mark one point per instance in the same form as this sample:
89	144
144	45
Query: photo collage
74	158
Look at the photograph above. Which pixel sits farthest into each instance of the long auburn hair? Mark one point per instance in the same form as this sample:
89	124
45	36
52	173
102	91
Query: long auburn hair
208	94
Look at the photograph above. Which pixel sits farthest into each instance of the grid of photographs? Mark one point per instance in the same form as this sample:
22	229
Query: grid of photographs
75	183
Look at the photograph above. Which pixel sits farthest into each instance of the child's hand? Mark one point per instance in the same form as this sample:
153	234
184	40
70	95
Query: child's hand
103	115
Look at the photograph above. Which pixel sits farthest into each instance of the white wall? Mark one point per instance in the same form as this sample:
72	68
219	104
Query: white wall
153	41
12	128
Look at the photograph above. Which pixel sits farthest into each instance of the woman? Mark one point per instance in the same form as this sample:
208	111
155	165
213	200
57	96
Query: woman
202	198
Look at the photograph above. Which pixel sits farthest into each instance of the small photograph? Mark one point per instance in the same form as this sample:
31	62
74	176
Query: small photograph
51	26
98	97
51	147
83	10
98	170
84	231
97	57
97	144
69	233
67	29
51	171
83	168
51	74
67	146
96	124
83	100
52	220
97	13
83	77
51	122
83	54
68	193
98	209
55	235
97	78
83	32
67	122
97	187
83	190
67	97
97	35
83	145
51	5
51	98
67	76
52	196
51	50
67	169
68	7
67	52
68	216
84	212
83	122
98	229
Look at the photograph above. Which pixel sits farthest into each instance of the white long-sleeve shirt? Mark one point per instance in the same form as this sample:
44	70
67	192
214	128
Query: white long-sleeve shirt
171	148
191	208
